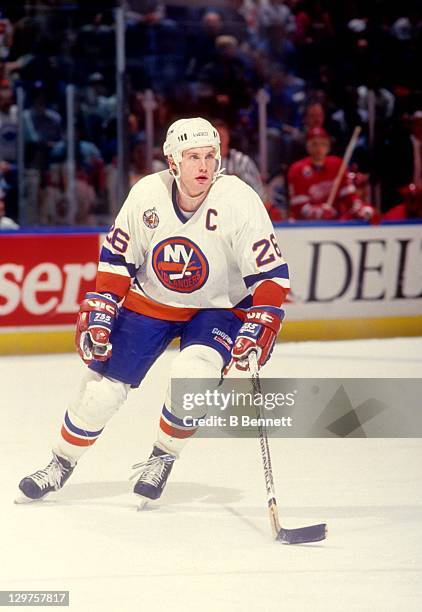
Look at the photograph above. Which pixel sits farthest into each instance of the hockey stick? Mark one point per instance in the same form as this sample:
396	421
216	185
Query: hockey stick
301	535
344	163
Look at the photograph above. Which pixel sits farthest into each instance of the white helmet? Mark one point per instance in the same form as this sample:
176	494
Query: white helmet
186	134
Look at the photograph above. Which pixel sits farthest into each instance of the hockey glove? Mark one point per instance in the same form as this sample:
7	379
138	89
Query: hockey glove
93	327
258	333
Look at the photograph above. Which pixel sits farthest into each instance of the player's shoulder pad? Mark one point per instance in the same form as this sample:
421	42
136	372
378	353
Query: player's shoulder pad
228	183
151	180
238	194
150	186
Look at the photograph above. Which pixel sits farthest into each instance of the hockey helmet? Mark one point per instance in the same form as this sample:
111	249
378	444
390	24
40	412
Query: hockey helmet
186	134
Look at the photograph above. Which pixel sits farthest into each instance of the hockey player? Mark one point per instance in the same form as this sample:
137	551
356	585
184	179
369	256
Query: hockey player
311	179
192	254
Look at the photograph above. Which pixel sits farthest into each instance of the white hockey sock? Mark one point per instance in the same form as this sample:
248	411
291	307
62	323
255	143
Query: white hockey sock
173	434
76	436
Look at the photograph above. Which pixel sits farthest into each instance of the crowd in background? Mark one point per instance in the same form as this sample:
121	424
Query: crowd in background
321	63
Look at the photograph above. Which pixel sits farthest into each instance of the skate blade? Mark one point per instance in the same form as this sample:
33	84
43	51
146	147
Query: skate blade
21	498
142	503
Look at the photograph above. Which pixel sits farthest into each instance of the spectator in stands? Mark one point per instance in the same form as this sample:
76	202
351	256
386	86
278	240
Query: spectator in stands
96	107
416	148
90	184
400	160
88	158
56	207
314	38
334	53
95	45
202	42
6	37
155	47
277	25
138	160
42	130
6	223
276	13
237	163
277	203
311	180
8	145
42	125
410	207
286	97
225	84
236	24
286	94
348	115
314	117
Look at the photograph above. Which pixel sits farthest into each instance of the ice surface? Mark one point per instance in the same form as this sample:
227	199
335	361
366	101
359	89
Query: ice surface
207	545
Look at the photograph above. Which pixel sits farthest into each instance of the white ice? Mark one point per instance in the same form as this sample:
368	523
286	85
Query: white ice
207	545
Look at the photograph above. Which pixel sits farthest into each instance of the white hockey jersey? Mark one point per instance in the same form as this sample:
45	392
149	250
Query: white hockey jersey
168	266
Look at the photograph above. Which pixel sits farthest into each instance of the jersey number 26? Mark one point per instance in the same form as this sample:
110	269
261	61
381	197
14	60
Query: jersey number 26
265	250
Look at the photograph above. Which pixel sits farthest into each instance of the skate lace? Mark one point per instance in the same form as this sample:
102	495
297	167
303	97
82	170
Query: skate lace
152	469
50	475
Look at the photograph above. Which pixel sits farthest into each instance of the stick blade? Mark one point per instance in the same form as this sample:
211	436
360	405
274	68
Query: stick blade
302	535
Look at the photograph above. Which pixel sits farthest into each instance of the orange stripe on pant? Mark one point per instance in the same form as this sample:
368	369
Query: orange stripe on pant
174	432
76	441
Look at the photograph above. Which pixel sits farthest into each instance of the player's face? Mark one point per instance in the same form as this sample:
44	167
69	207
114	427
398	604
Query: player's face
197	169
318	149
314	116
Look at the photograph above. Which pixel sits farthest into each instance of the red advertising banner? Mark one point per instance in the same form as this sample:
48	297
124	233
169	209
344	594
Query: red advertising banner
43	277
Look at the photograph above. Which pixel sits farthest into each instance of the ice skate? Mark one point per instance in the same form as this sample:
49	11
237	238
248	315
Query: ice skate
51	478
153	475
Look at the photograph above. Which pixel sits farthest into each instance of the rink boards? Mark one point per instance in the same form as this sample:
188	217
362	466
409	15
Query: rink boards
348	281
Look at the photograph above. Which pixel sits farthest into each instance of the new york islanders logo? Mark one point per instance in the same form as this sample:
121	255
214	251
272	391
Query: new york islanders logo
180	265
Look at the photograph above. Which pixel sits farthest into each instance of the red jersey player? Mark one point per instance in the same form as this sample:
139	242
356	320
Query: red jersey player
311	180
410	208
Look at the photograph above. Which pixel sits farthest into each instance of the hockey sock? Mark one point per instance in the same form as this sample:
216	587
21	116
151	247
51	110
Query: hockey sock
174	432
76	436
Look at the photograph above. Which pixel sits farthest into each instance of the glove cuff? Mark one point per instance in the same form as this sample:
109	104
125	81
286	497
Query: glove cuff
106	297
268	316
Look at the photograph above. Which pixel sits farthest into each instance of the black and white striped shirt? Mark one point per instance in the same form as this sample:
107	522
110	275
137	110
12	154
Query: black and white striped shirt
244	167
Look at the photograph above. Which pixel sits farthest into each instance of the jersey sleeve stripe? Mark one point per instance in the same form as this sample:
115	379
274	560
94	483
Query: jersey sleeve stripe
270	293
116	259
281	272
112	283
283	283
111	269
280	282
